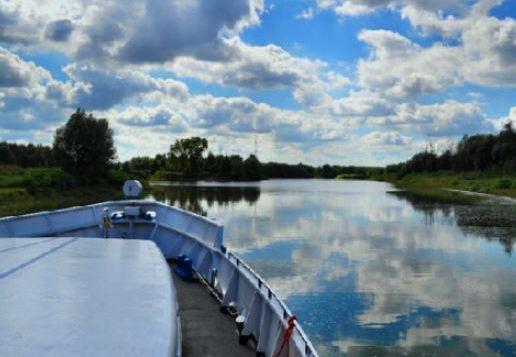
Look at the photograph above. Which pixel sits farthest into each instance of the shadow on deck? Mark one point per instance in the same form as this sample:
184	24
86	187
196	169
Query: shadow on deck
205	330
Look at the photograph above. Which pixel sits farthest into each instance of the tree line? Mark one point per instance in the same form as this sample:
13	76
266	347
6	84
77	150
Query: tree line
187	160
494	153
26	155
84	148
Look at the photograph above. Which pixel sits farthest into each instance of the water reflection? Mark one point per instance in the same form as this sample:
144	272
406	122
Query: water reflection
492	222
368	272
194	197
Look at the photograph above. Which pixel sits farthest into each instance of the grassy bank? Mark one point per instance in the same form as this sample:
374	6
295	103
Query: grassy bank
24	190
353	176
438	185
19	201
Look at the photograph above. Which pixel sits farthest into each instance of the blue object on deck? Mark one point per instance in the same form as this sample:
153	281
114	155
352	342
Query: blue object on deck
181	258
184	268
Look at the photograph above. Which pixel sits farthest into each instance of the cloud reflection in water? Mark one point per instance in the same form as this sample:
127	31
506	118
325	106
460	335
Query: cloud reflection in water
368	272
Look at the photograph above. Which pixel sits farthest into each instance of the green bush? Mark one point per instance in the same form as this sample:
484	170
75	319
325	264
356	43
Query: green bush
475	187
13	194
504	183
36	178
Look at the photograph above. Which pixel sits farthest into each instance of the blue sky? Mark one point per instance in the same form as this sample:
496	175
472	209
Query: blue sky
366	82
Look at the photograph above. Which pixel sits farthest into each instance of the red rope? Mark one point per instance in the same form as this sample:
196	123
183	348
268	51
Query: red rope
286	337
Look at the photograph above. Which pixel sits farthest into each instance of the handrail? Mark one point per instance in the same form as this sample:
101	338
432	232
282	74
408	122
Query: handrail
309	348
261	284
106	203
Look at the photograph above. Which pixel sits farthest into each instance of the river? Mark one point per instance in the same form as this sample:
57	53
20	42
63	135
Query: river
369	271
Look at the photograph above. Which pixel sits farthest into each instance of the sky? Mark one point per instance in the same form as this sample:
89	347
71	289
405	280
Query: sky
351	82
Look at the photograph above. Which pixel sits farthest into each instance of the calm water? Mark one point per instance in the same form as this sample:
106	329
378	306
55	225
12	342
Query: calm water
368	272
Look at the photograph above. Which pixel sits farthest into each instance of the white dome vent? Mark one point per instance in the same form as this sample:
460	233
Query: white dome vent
132	188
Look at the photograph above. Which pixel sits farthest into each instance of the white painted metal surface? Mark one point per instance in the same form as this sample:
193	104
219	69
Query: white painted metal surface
177	232
86	297
132	188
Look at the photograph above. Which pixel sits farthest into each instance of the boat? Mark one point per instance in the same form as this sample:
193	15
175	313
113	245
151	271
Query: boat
102	280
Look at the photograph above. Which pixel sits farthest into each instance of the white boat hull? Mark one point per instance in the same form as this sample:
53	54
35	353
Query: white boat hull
177	232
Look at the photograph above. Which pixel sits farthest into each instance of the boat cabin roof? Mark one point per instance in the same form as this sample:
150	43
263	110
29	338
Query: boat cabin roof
84	296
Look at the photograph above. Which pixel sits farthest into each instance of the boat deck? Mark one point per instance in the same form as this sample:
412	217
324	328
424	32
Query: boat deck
85	297
205	330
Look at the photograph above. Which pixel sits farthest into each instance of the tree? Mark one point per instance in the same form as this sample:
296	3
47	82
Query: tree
237	165
252	168
210	165
26	155
186	156
142	166
328	172
84	146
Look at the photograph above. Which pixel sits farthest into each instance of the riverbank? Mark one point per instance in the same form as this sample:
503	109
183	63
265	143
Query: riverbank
25	190
452	187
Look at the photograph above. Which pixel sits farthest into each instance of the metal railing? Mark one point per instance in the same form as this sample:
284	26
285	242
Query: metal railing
260	283
309	348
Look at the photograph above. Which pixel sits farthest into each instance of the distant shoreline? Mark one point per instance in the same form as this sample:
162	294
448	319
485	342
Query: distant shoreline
460	188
